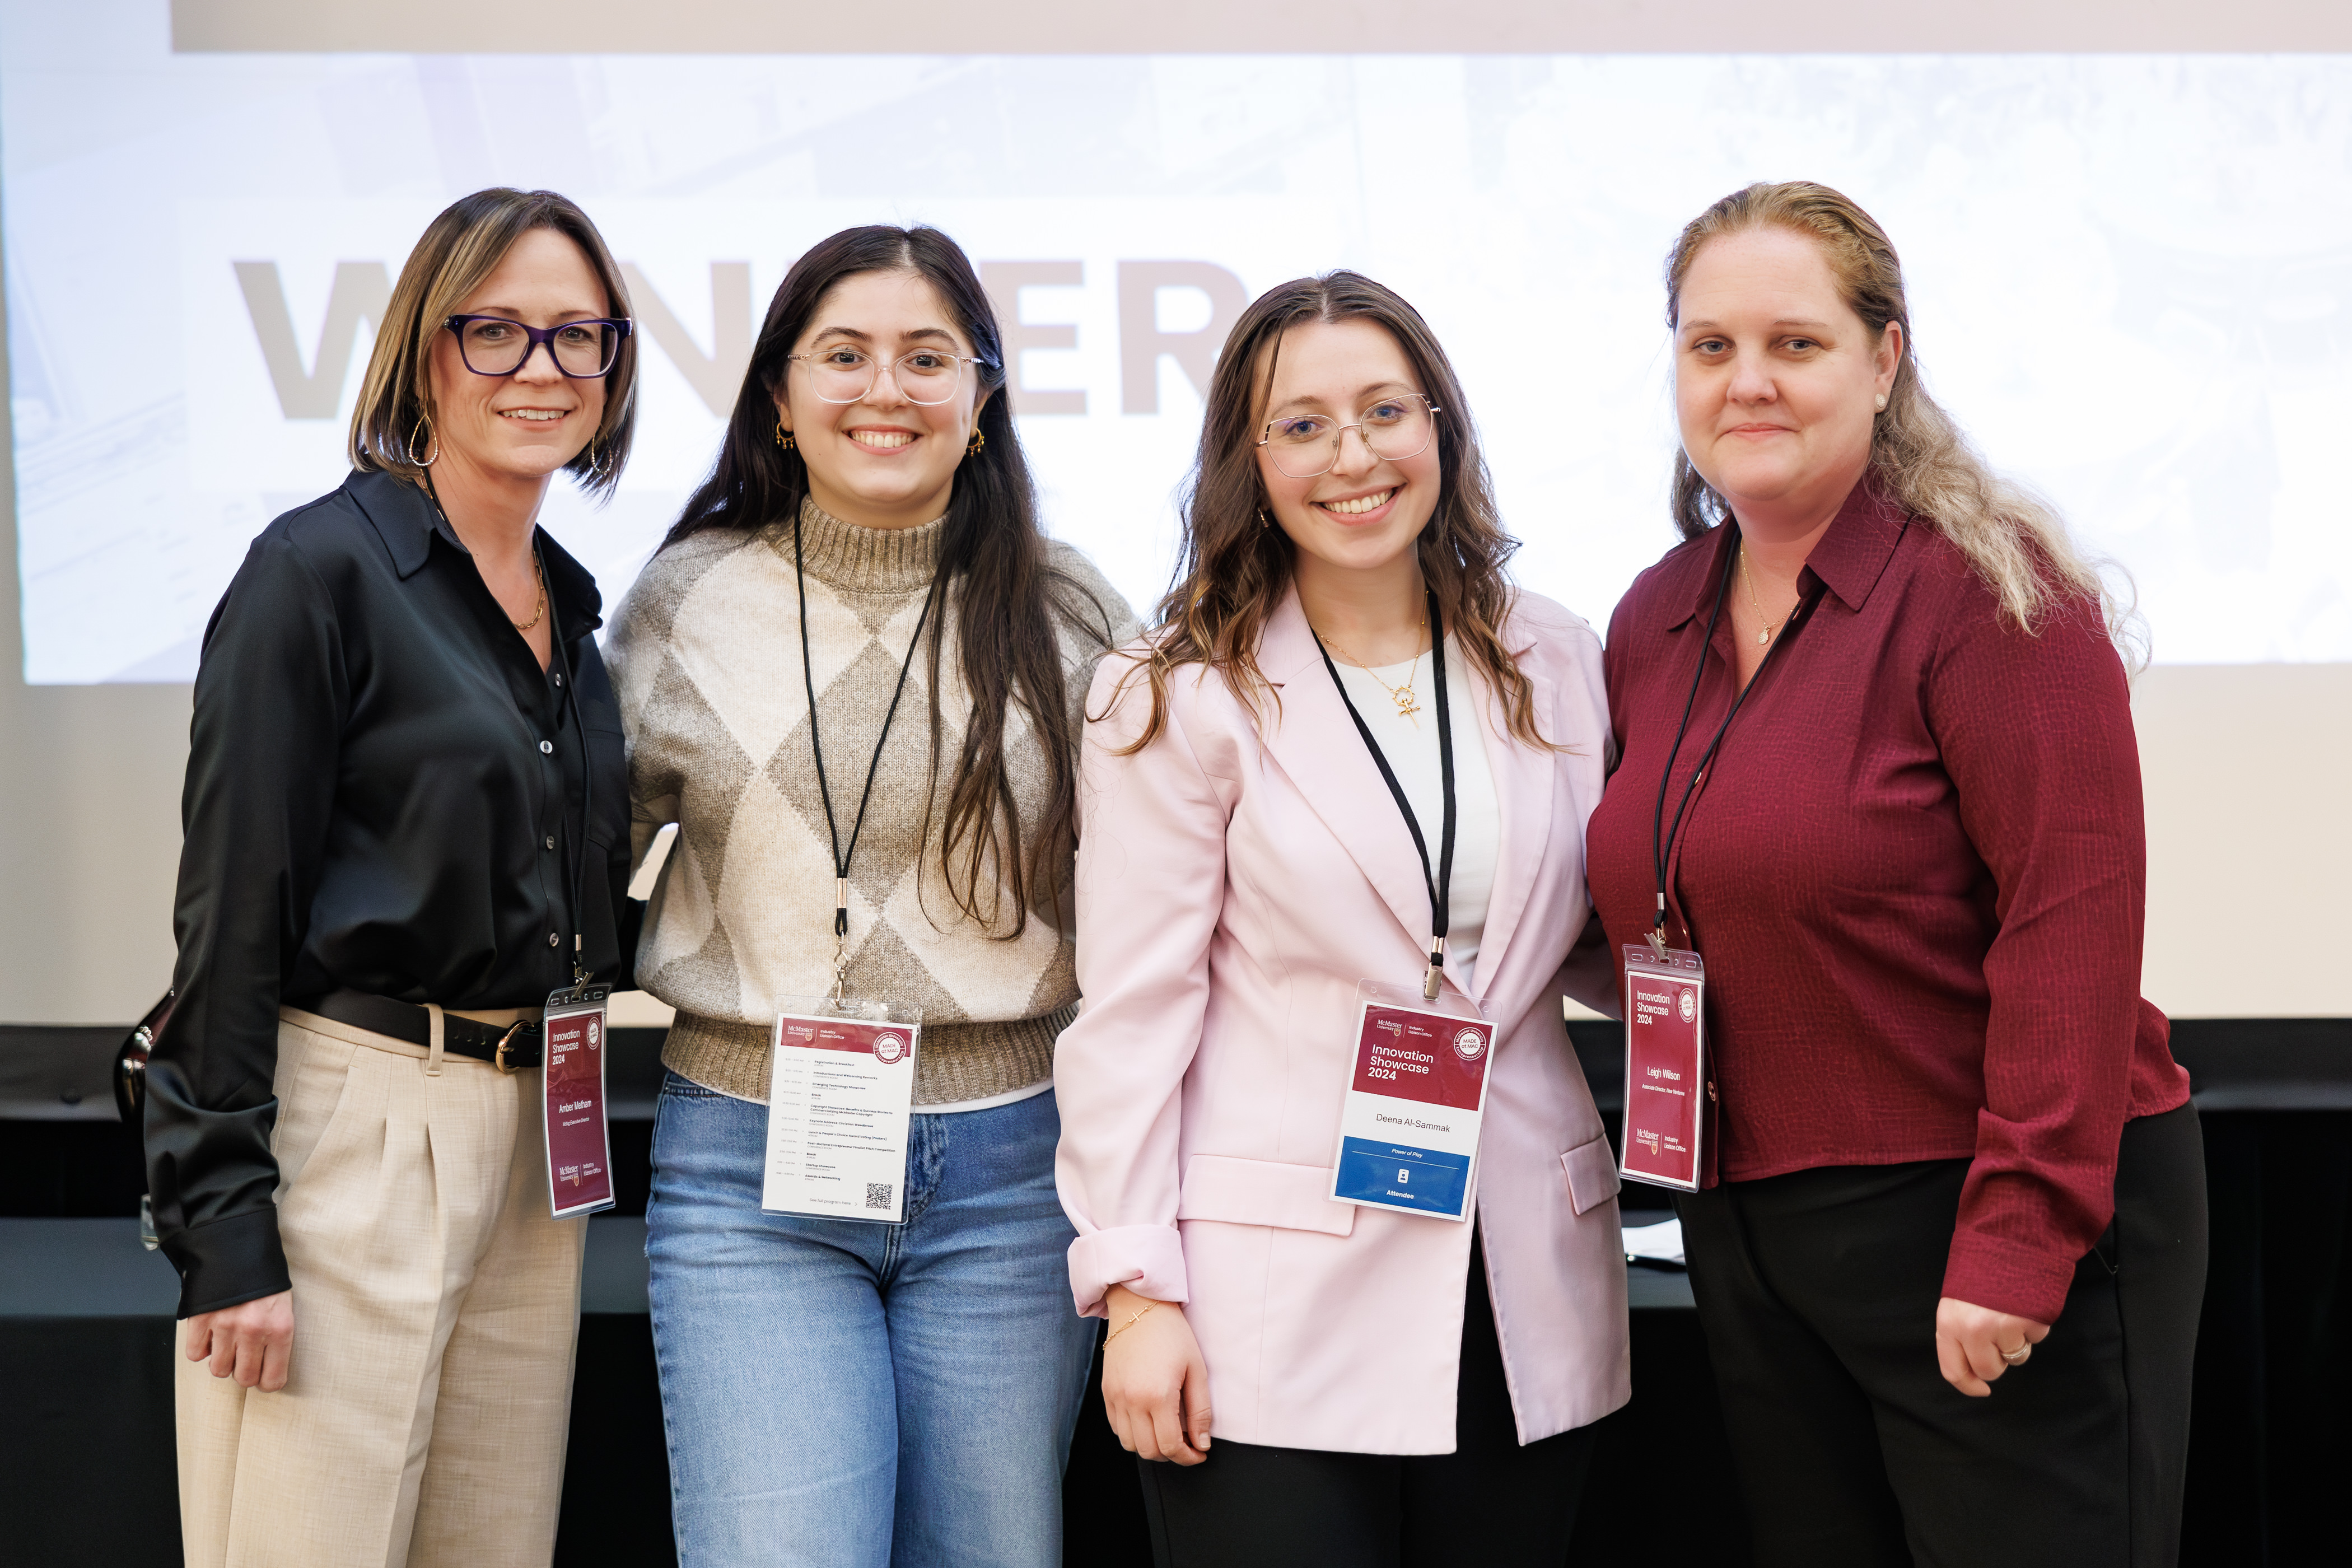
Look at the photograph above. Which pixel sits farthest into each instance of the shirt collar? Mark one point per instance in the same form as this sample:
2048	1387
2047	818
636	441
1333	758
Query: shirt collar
407	522
1708	561
1852	555
1848	559
572	588
403	517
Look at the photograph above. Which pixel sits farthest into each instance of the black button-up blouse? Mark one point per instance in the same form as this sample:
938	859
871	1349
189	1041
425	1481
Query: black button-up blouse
384	792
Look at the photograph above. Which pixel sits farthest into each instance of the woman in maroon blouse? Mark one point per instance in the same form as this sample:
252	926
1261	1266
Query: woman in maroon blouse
1950	1144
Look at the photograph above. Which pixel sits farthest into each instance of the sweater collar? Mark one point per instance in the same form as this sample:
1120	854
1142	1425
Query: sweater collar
868	560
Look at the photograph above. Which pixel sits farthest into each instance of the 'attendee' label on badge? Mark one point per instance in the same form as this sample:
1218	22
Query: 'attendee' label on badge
1409	1129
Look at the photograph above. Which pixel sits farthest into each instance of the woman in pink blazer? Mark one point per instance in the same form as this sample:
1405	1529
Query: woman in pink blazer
1387	1387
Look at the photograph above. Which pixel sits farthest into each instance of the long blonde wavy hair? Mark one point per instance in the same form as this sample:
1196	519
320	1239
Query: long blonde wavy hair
2013	538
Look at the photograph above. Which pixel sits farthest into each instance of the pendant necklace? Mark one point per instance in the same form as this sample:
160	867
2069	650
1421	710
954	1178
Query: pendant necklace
1763	637
1407	703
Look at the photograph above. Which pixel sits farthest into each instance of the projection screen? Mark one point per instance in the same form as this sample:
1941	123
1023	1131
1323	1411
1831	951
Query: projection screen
2130	276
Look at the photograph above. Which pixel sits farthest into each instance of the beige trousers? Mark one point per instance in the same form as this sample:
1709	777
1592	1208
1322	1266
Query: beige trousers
435	1308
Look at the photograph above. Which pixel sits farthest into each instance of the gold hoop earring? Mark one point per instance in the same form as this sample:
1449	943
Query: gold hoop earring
972	447
425	426
1264	522
785	441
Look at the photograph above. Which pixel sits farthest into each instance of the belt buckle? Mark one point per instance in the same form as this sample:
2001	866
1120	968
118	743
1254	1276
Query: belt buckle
498	1057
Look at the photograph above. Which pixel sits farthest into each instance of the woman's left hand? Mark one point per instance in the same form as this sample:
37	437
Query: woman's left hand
1976	1344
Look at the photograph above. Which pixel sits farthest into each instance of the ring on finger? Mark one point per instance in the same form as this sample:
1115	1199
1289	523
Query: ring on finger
2018	1356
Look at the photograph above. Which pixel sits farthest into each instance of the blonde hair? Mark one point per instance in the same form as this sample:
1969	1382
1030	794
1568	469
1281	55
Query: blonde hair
2015	540
459	248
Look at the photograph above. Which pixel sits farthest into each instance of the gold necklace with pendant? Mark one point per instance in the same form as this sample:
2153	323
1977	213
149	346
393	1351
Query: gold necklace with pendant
1763	637
1407	702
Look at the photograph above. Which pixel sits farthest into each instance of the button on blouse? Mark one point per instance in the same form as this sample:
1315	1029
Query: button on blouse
1917	872
377	769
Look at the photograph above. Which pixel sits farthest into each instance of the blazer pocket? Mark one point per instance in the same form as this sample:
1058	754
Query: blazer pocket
1260	1192
1591	1173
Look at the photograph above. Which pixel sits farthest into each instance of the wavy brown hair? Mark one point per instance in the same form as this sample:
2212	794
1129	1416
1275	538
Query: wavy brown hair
1918	457
1007	600
459	248
1233	570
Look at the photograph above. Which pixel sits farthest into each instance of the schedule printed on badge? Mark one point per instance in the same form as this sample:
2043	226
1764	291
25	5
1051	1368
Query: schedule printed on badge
840	1096
1409	1128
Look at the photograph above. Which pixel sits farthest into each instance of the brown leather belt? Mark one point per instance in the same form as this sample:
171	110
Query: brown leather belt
509	1047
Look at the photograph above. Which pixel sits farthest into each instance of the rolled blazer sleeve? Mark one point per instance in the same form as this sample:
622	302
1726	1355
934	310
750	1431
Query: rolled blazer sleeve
1151	892
270	700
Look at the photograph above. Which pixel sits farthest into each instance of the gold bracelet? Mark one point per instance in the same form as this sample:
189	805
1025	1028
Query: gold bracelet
1130	1323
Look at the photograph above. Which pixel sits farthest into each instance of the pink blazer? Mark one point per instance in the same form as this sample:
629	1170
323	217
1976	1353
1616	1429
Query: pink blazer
1233	887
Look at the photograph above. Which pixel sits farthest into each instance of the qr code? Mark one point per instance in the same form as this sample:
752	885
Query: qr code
877	1195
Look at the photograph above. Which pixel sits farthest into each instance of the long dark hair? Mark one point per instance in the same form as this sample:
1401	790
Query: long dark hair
1233	570
1007	600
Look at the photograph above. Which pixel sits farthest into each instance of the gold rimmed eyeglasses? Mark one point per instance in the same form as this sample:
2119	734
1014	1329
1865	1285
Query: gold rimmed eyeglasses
1392	428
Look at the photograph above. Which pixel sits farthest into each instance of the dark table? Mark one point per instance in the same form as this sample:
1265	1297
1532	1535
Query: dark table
85	1463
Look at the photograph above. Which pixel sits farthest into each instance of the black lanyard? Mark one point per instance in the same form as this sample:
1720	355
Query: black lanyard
841	856
1441	882
1661	842
568	679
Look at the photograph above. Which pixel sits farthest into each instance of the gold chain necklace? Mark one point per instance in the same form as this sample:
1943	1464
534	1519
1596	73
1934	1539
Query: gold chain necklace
1764	637
1407	703
526	627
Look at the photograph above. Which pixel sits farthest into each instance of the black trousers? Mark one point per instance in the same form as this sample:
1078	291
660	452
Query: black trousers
1817	1291
1489	1504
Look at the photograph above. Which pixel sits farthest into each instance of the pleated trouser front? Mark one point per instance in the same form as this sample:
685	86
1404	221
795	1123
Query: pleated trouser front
437	1304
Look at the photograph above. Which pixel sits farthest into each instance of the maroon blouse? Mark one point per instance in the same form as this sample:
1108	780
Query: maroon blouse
1916	870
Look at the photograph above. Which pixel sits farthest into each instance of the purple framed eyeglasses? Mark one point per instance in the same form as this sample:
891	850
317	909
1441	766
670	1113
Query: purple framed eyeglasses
492	345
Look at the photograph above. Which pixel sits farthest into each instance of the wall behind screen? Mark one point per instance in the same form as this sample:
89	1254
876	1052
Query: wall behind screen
2243	762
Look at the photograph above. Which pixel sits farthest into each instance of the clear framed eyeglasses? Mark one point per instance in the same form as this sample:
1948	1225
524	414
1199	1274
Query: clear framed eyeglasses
846	374
1307	446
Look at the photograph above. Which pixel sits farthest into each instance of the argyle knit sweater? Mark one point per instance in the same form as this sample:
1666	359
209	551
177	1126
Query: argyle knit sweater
706	658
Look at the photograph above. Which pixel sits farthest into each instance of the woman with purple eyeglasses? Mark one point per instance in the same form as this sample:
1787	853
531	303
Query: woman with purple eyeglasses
406	824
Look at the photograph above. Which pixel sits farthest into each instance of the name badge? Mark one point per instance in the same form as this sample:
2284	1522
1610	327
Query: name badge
841	1091
579	1144
1665	1067
1416	1091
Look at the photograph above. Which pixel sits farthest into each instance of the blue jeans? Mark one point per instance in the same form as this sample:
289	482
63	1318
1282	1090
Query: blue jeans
842	1395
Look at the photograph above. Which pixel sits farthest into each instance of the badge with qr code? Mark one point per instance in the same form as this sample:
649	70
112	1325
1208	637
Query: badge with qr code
841	1091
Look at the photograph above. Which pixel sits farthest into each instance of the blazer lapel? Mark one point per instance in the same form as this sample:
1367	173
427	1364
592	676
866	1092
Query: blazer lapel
1524	781
1314	741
